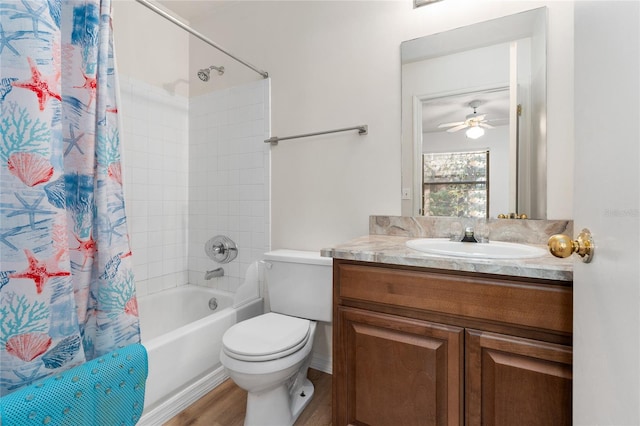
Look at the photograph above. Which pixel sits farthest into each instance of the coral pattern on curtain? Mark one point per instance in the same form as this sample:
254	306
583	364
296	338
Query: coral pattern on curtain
66	279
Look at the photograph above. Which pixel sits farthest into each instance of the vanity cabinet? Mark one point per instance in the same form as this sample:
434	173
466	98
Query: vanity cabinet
399	371
514	381
419	346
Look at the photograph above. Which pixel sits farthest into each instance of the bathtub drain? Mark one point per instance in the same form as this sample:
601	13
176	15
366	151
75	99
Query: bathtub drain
213	303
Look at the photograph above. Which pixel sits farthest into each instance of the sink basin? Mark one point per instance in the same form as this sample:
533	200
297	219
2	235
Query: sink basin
491	250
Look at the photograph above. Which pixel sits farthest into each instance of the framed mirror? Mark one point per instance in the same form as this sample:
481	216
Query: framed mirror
471	93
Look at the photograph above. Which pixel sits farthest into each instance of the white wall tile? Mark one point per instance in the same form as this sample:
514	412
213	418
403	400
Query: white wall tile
222	176
156	135
195	168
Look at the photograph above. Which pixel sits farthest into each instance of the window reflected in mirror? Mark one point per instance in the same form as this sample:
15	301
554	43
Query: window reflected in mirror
456	184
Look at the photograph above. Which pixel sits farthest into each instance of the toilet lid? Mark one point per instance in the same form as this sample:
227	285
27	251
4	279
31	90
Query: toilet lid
266	337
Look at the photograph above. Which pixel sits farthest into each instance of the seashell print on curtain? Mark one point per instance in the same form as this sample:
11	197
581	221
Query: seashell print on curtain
67	290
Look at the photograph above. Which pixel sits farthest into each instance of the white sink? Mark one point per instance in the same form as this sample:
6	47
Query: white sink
491	250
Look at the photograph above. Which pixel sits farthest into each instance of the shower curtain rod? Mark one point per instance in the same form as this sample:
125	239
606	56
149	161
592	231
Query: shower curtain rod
195	33
362	130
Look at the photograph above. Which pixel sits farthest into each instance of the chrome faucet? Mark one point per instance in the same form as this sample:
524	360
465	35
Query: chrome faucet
468	235
219	272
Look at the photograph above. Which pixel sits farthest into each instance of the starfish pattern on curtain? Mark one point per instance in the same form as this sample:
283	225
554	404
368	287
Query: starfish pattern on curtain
67	288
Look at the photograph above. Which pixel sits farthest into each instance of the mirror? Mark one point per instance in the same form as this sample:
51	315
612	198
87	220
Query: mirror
473	119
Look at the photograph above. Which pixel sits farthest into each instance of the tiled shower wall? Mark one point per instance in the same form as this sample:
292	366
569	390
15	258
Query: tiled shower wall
155	138
194	169
229	173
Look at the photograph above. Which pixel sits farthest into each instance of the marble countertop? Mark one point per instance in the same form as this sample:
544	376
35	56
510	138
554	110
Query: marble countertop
392	250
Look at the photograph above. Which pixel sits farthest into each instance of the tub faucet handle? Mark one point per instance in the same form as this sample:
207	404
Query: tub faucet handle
221	249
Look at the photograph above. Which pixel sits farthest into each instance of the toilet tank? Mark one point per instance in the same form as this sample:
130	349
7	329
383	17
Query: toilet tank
300	284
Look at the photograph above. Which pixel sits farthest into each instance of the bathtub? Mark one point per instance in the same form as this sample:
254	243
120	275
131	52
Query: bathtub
183	338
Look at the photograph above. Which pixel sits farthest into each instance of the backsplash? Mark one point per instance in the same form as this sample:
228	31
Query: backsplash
525	231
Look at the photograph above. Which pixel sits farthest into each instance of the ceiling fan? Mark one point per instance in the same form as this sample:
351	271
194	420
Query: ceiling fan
475	123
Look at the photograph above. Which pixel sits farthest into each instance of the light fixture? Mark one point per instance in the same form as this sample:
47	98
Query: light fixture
474	132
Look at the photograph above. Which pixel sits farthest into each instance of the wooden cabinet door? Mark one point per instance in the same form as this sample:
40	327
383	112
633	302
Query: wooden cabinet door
392	371
515	381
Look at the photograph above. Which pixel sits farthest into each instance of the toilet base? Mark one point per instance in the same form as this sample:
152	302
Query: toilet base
277	407
299	402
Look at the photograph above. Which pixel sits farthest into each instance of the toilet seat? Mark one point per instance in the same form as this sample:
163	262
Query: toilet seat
266	337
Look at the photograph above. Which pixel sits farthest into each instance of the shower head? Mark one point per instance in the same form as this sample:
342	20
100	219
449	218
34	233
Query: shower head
204	73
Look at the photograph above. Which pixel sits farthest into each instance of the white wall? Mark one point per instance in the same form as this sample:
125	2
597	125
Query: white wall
337	64
149	48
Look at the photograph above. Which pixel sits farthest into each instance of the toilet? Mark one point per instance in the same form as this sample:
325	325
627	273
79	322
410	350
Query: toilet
269	355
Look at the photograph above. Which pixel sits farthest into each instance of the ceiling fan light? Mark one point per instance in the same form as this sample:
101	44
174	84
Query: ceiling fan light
474	132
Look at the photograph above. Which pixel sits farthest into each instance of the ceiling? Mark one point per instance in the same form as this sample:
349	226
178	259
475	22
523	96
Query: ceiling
449	109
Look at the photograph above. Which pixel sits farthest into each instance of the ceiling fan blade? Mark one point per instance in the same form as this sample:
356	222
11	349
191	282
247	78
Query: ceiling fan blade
457	123
460	127
485	125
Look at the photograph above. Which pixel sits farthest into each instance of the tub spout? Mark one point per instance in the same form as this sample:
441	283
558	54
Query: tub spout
219	272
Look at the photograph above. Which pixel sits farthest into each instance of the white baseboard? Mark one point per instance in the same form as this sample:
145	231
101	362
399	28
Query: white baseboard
318	362
175	404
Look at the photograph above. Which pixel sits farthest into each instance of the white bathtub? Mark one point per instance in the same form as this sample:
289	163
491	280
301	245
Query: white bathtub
183	338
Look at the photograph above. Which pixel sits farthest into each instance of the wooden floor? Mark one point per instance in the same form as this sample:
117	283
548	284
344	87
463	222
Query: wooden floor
226	404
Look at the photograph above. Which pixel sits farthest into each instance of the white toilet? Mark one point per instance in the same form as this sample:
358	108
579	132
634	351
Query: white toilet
269	355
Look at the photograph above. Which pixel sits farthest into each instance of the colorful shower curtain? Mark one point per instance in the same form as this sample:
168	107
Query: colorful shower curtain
66	282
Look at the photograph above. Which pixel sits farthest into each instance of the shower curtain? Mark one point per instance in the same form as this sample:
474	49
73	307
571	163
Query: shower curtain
67	290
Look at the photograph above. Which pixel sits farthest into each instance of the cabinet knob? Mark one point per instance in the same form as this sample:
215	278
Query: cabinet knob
561	245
